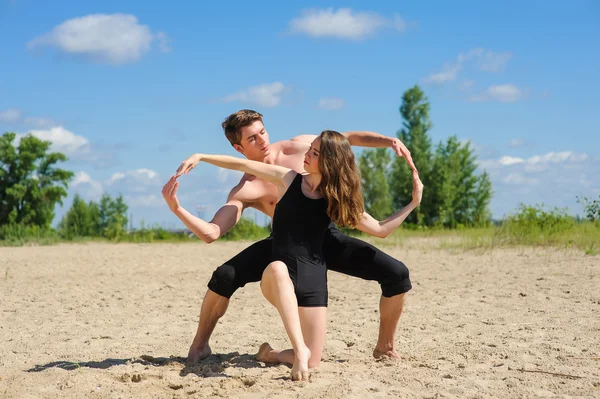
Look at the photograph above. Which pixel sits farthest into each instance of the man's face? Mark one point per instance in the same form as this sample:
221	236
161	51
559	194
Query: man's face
255	143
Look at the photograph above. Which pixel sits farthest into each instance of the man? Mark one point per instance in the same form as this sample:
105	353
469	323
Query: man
247	134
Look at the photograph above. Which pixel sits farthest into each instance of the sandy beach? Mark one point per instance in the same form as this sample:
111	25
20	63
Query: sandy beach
116	321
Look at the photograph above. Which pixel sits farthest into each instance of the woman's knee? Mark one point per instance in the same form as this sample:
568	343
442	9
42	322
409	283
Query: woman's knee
276	270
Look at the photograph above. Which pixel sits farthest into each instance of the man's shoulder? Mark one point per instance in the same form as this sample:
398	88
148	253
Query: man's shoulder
297	144
249	189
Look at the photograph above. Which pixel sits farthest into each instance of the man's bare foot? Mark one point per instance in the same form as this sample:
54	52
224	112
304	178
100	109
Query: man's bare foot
264	352
300	367
195	355
386	354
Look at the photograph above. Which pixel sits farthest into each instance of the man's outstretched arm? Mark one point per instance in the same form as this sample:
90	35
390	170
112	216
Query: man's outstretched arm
376	140
358	138
225	218
365	138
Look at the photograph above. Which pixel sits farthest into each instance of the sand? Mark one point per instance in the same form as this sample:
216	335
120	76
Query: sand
116	321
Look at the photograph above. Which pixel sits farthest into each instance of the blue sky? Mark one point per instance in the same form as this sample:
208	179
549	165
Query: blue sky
129	89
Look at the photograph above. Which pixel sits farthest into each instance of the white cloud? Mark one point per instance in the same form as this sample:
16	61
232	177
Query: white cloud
486	60
568	159
343	23
10	115
86	186
265	95
507	93
64	141
553	178
80	178
448	74
16	115
557	157
140	187
150	200
76	148
331	103
516	143
164	42
134	181
535	162
115	177
508	160
490	61
40	122
107	38
518	178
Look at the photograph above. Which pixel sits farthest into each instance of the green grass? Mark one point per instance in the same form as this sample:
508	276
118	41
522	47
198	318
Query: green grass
584	236
531	227
16	235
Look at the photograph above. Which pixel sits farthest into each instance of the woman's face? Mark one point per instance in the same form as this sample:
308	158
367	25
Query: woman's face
311	158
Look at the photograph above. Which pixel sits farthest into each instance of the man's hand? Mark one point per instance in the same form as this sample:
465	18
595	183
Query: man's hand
169	193
417	192
401	150
187	165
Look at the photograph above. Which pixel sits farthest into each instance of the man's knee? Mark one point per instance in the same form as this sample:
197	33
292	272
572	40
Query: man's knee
399	271
396	279
223	281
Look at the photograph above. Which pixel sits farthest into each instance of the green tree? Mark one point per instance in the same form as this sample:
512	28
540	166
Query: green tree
104	211
459	197
78	221
454	193
415	112
454	184
483	195
94	211
30	182
591	207
374	164
112	220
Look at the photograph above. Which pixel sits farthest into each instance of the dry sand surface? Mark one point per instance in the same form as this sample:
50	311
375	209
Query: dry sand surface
115	321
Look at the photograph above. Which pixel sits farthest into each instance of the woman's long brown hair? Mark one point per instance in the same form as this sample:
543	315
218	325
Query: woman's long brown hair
340	179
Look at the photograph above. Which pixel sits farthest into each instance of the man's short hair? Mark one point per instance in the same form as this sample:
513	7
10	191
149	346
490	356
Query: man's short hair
233	124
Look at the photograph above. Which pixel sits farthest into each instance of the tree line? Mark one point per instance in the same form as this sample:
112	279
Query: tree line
454	195
32	183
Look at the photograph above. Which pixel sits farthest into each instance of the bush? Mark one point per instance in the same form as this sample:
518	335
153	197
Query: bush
155	234
591	208
17	234
536	225
246	229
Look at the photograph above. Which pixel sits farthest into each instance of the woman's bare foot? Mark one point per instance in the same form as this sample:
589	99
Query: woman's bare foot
300	367
387	354
196	354
264	354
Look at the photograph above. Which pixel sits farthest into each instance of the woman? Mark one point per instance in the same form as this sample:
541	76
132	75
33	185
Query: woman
295	282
